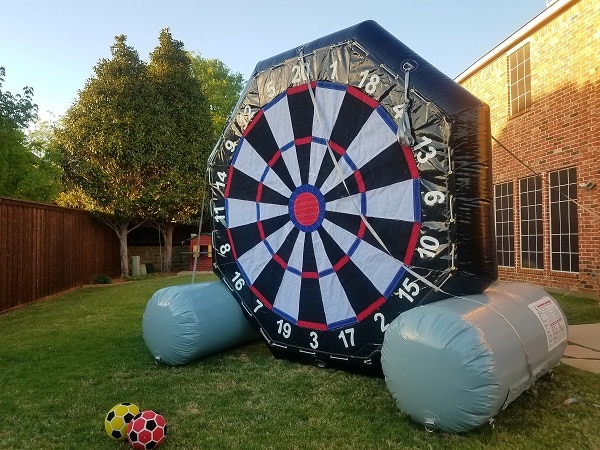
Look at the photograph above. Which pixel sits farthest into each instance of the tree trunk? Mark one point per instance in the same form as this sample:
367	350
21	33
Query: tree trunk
167	232
122	233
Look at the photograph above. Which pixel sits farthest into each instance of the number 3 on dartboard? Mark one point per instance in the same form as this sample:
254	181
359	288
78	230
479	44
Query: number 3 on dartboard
314	343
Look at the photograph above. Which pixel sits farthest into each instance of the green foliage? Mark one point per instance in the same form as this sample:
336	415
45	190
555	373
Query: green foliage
101	279
134	146
106	142
16	161
75	198
16	111
221	87
67	360
104	137
182	139
27	168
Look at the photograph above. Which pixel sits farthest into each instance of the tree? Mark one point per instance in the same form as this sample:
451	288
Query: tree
105	141
221	87
26	168
15	160
134	146
45	180
18	110
182	140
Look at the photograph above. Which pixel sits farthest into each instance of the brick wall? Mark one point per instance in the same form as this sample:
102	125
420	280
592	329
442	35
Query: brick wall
561	129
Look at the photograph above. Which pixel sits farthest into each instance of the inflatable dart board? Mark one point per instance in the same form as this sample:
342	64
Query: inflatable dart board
351	183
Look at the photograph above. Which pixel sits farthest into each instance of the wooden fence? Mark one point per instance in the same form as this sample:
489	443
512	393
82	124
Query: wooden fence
46	249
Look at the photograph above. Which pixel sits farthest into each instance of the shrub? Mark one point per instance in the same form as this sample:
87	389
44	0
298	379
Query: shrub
101	279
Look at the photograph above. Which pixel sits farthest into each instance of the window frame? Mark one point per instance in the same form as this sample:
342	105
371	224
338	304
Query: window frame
557	202
519	79
531	229
504	223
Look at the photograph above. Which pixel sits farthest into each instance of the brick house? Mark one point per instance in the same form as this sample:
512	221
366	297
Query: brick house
543	87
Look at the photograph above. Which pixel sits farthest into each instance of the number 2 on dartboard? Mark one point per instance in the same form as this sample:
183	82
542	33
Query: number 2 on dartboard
380	317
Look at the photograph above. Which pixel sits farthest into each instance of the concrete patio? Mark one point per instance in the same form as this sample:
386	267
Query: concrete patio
583	349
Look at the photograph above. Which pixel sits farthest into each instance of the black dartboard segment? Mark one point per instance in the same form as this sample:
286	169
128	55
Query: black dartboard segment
327	223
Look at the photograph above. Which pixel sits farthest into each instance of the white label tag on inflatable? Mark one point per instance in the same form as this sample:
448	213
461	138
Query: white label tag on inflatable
551	319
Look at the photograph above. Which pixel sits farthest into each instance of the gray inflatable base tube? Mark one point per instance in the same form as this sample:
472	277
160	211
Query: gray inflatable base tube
454	364
184	323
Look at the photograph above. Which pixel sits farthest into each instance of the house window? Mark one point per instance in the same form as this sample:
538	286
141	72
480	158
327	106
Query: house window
564	241
505	224
532	231
519	69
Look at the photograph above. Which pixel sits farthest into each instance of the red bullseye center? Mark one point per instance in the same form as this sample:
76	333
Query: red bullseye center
306	208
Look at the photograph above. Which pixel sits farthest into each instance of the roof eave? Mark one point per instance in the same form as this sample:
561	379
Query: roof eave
537	22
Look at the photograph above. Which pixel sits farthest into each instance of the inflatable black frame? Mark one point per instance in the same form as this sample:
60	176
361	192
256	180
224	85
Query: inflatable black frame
351	183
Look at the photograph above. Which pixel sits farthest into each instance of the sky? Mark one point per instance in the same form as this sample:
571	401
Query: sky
53	45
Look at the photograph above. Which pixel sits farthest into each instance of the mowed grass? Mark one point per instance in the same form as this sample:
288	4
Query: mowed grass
65	361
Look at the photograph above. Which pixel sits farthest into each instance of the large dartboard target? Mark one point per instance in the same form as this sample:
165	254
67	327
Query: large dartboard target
335	198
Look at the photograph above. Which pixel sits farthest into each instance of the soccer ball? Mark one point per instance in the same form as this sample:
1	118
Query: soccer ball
147	430
118	418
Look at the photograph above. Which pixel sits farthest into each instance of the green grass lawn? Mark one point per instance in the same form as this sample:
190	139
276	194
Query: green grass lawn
65	361
579	310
